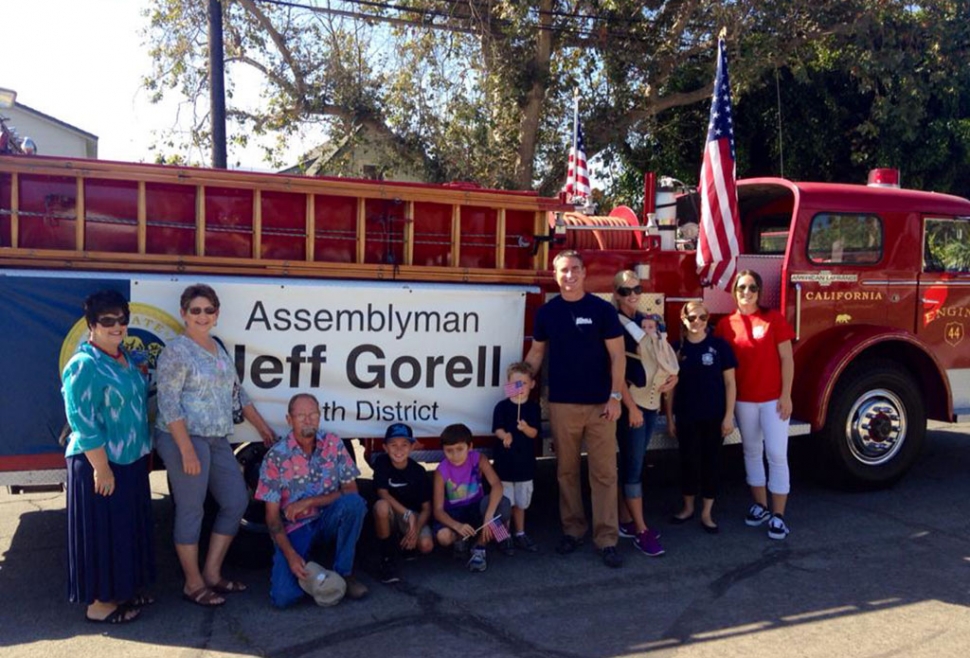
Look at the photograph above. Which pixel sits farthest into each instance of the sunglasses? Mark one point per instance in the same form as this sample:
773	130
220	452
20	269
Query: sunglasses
109	321
695	318
751	288
624	291
198	310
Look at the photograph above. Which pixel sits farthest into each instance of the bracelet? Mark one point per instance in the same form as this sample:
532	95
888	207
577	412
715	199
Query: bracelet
406	516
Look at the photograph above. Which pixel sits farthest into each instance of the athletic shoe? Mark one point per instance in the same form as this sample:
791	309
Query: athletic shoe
628	530
355	588
646	542
507	547
388	572
610	557
477	561
757	515
525	542
777	528
568	544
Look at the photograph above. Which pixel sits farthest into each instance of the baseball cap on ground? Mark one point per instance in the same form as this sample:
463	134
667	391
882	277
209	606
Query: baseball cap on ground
325	586
399	431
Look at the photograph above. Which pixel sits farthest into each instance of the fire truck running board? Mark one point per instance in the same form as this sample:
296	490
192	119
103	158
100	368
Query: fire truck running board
799	428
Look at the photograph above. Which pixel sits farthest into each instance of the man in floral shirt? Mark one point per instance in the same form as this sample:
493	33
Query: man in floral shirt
308	484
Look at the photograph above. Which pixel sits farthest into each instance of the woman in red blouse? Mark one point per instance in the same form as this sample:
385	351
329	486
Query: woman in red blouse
761	340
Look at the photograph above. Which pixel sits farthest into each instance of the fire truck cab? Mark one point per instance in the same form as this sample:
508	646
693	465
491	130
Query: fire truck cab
875	281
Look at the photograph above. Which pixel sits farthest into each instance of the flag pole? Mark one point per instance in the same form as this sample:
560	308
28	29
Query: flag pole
573	148
575	120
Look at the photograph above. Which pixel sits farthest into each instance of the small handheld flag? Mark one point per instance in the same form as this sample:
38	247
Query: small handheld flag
514	388
499	531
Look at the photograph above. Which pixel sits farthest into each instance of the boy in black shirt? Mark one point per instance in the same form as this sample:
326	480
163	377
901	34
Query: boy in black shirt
403	505
516	422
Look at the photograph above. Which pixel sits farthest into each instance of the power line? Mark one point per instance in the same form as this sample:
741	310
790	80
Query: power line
430	14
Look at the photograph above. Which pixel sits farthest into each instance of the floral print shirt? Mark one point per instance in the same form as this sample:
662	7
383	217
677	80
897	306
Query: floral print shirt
195	385
288	474
107	406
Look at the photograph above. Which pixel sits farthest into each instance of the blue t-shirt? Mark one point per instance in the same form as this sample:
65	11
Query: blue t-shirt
517	463
700	385
579	363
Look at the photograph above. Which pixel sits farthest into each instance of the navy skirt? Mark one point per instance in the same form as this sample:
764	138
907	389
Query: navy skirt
111	554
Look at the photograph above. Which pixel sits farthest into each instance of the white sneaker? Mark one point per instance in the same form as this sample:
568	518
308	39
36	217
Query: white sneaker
777	528
757	515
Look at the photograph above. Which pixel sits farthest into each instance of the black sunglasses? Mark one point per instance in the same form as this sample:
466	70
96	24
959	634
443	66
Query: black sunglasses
752	288
197	310
109	321
694	318
624	291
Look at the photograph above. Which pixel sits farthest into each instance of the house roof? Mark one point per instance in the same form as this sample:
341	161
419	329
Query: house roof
62	124
312	162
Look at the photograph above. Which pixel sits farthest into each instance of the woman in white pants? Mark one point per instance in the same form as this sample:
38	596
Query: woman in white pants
761	340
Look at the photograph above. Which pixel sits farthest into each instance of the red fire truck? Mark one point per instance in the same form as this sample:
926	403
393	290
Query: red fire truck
396	301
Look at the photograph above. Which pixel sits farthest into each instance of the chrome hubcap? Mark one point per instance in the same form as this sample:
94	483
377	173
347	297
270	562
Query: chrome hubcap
876	427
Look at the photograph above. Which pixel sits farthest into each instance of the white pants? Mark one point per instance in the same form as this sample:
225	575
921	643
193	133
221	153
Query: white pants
763	431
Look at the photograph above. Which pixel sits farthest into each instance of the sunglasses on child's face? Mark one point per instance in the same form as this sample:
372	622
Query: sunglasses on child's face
749	288
208	310
624	291
695	318
109	321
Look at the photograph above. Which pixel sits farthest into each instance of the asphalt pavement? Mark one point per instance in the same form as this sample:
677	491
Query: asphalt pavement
883	573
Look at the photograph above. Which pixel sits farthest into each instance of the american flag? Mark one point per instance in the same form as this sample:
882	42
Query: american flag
717	249
577	177
514	388
499	531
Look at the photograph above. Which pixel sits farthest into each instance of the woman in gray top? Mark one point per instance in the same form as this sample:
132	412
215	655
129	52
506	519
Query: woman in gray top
195	379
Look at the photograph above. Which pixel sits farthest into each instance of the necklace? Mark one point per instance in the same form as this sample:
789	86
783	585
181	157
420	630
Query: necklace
117	357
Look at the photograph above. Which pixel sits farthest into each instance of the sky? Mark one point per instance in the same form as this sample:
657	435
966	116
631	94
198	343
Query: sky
82	61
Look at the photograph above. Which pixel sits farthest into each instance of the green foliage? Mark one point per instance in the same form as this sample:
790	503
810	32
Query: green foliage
488	96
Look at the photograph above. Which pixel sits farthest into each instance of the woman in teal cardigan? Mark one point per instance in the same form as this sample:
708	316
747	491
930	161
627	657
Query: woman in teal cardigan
111	558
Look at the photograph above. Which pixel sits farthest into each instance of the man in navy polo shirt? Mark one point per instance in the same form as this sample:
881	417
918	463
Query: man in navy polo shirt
586	369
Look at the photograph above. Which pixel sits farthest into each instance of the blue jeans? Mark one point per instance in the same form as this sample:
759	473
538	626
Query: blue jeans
341	520
632	442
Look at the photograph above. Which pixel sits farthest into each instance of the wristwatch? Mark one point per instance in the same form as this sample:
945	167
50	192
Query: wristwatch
616	395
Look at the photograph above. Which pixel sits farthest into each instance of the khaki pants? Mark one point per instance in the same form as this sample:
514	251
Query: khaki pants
571	423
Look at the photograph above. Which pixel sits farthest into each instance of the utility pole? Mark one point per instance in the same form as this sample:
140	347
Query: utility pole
217	86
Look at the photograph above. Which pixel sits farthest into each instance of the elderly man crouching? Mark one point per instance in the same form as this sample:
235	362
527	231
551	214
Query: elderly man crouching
307	481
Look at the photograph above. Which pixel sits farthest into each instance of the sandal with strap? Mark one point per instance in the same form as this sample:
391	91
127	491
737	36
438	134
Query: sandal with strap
204	597
228	587
120	615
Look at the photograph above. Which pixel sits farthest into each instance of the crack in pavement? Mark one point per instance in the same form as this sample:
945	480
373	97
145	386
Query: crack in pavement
435	610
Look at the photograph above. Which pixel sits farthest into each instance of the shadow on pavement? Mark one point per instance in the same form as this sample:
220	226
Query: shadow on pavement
850	554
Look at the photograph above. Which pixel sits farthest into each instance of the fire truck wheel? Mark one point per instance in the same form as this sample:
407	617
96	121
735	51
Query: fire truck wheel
252	547
249	456
876	423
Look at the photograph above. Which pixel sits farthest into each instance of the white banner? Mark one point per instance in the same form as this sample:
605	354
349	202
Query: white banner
373	353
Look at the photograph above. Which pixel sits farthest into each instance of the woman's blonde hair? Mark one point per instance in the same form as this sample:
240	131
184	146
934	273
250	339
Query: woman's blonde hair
621	276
